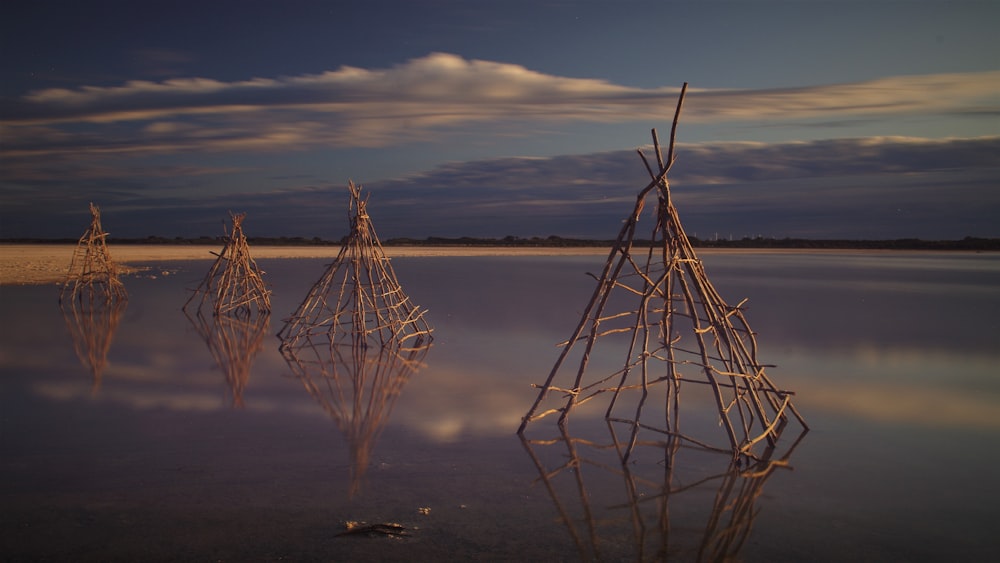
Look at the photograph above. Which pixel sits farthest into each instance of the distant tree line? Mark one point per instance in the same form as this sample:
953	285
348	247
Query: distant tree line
967	243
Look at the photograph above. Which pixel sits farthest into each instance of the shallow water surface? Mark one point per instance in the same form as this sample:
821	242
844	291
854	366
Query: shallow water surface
138	434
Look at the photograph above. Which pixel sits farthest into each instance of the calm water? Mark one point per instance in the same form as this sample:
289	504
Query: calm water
181	446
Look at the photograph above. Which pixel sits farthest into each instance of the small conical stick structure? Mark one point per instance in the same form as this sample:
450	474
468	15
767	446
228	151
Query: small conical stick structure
359	294
234	285
675	330
93	276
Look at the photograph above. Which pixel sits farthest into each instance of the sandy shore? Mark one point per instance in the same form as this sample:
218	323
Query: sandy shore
29	264
22	264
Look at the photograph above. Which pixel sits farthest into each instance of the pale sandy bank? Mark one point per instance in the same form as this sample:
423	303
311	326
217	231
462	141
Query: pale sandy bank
23	264
47	263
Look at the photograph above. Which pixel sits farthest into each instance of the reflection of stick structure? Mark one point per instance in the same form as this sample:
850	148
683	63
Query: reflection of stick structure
233	342
234	284
92	327
674	329
358	294
93	275
672	510
356	385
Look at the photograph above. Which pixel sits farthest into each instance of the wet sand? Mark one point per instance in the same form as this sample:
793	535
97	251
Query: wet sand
28	264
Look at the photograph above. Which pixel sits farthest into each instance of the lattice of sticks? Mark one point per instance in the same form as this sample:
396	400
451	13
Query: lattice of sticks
92	279
657	305
234	285
358	294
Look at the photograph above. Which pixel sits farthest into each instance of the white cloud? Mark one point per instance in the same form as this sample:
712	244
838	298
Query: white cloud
415	100
933	93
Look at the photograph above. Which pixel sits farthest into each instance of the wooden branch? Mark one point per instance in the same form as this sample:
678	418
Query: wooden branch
674	299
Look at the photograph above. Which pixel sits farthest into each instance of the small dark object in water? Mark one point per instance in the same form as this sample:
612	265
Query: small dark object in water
393	530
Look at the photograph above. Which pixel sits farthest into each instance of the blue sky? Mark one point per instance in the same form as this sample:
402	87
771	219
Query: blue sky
808	118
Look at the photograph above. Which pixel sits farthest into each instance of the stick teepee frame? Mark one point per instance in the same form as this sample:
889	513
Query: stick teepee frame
672	320
234	284
92	278
358	294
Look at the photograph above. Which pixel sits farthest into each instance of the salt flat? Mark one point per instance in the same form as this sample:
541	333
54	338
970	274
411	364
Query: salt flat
22	264
28	264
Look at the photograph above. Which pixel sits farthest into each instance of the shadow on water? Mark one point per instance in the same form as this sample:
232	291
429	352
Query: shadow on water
667	501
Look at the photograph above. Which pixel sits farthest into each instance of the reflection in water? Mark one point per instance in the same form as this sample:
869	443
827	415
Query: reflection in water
92	325
675	501
356	385
233	342
897	382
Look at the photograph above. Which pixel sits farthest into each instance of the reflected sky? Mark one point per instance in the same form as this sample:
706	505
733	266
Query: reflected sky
848	326
892	357
854	329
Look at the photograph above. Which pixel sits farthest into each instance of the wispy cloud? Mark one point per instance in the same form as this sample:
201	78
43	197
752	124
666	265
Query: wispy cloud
887	187
417	100
871	187
915	95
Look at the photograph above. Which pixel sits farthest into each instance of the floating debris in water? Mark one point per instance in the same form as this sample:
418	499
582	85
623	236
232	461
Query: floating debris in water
390	529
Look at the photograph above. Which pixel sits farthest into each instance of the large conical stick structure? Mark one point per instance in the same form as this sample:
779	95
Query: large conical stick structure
358	294
675	330
93	276
234	284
